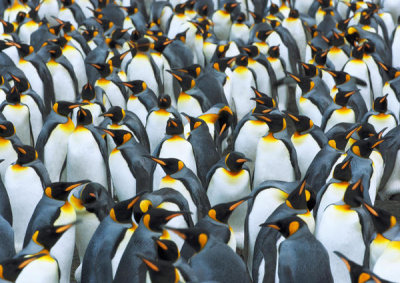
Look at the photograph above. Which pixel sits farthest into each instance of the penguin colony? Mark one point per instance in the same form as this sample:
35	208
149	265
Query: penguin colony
199	141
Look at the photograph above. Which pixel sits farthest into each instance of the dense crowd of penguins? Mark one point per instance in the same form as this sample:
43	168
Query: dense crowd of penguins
199	141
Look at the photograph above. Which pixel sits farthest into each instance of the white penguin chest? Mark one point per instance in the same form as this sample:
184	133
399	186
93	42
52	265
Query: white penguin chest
333	193
342	115
44	269
33	76
113	92
189	105
123	180
63	85
138	108
306	107
306	149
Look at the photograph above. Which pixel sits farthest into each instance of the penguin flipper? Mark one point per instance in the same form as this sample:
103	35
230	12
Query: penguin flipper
103	150
367	228
293	158
48	127
134	123
41	170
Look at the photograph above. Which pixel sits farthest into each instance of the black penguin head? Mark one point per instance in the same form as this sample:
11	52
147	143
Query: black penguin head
276	122
166	249
301	198
21	16
352	35
161	42
48	236
369	47
169	165
354	194
164	101
225	119
320	57
12	267
263	99
263	34
339	141
235	161
61	41
122	211
181	36
222	63
363	148
120	137
136	86
365	18
61	190
380	104
230	6
64	108
115	113
342	170
55	51
287	226
104	69
84	117
294	14
156	218
382	219
160	270
192	70
357	52
194	122
185	81
221	50
251	50
274	52
301	123
337	39
196	237
339	77
7	26
366	131
143	44
221	212
174	127
25	154
180	8
7	129
21	83
306	84
116	60
13	96
343	24
242	60
391	72
88	92
241	18
342	97
310	70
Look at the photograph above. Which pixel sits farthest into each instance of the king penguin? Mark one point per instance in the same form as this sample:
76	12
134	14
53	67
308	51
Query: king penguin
7	152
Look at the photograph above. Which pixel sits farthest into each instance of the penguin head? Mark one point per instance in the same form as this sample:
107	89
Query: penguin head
273	51
241	18
67	3
287	226
310	70
235	161
48	236
156	218
7	27
185	81
89	34
132	9
116	60
84	117
380	104
136	86
61	190
180	8
263	99
251	50
164	101
222	63
7	129
363	148
301	123
273	9
88	92
64	108
357	52
306	84
354	194
25	154
343	24
60	41
160	270
161	42
242	60
276	122
382	219
174	127
122	211
169	165
369	47
143	44
196	237
194	122
337	39
115	113
352	35
12	267
365	18
342	170
320	57
104	69
301	198
366	131
166	249
342	97
55	51
225	119
391	72
230	6
263	34
21	16
339	140
21	83
13	96
119	137
221	50
221	212
324	3
192	70
357	272
339	77
294	14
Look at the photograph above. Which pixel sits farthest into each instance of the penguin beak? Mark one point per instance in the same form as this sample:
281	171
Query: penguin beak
222	129
108	132
176	231
70	188
377	143
243	160
235	205
64	228
271	225
73	106
370	209
149	263
179	78
294	118
15	78
96	66
159	161
3	127
20	149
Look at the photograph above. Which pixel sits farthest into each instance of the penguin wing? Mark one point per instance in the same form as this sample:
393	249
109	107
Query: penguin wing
81	40
51	123
67	65
133	122
5	206
367	228
148	98
272	77
41	170
78	14
320	194
220	163
7	249
293	157
97	135
38	100
319	136
157	74
327	114
201	97
114	78
389	149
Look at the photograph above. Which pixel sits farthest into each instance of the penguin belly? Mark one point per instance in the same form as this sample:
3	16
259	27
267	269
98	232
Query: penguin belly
239	32
49	10
381	121
134	105
8	154
263	79
338	57
306	149
280	73
123	180
393	103
376	249
35	116
387	266
25	31
265	203
121	249
189	105
55	150
113	93
179	148
168	182
295	28
77	61
359	69
333	193
272	162
340	230
63	85
19	116
32	76
222	24
66	15
24	188
247	139
242	81
393	184
84	159
396	46
377	83
376	176
155	127
43	269
140	68
342	115
226	186
309	109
